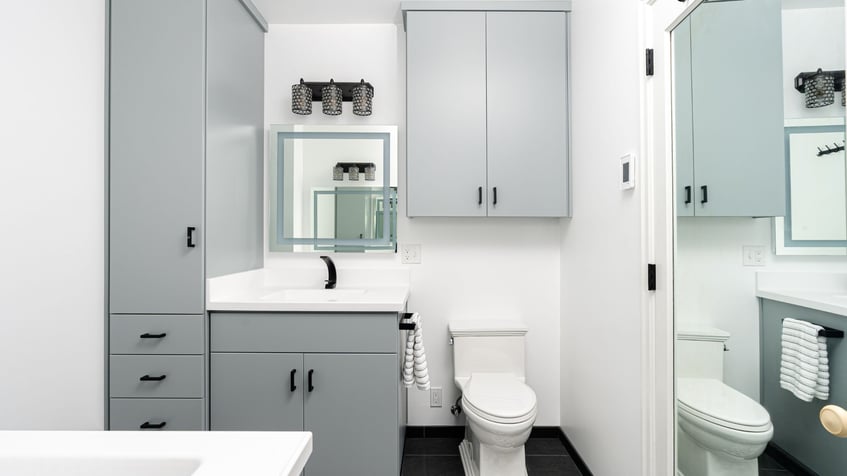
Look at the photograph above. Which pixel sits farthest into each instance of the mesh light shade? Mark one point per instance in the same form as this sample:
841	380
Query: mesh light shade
332	99
820	90
353	172
301	99
370	172
363	95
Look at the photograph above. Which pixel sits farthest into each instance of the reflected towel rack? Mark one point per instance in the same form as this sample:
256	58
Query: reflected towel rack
830	332
830	150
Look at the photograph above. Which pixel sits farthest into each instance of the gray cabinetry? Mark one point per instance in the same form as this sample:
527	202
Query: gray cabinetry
342	385
487	113
729	138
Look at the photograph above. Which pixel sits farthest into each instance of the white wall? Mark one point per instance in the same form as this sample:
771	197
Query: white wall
602	266
471	267
52	214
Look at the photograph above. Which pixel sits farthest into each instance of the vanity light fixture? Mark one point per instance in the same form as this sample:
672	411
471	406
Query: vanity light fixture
819	87
331	99
363	94
353	169
301	98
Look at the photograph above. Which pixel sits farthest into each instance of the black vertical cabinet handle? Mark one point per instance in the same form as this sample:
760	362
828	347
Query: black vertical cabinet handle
687	194
311	387
293	387
189	241
479	201
148	335
495	195
148	378
704	191
152	426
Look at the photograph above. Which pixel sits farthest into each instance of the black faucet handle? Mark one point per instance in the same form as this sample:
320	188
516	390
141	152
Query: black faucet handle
331	274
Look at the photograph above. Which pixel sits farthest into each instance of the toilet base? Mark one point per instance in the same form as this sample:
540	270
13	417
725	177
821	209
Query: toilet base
694	460
479	459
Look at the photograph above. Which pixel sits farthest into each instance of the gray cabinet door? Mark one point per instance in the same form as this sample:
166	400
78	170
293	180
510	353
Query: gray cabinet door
527	114
352	413
683	145
739	152
445	114
156	106
250	392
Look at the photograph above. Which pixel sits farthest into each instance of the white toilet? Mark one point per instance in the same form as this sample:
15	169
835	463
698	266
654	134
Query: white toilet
721	431
489	360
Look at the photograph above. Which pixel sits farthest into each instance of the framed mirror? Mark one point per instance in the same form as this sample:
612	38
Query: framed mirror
332	188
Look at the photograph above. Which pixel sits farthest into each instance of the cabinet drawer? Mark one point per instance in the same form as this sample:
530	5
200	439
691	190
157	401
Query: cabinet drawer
183	376
133	413
161	334
304	332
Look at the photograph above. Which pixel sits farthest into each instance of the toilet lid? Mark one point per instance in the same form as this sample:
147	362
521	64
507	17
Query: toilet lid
499	397
718	403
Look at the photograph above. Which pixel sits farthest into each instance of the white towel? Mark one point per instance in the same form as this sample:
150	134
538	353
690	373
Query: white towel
414	365
804	363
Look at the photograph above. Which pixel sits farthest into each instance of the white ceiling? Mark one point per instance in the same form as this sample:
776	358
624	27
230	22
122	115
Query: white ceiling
330	11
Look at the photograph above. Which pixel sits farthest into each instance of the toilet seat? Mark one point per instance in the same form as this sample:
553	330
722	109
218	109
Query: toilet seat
499	398
719	404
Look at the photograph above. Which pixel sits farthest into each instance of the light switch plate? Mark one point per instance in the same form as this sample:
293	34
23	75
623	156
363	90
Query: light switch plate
410	253
753	255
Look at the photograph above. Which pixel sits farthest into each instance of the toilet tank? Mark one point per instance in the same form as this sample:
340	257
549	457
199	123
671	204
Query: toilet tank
488	346
699	352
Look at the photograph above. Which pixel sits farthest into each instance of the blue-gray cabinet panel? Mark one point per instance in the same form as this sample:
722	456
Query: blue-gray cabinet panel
156	107
183	376
250	392
683	120
143	414
159	334
352	413
303	332
797	428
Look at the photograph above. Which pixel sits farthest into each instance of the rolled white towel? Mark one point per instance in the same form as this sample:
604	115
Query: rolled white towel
415	368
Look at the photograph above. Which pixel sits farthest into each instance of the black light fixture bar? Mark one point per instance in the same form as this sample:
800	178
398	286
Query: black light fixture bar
800	79
346	89
360	165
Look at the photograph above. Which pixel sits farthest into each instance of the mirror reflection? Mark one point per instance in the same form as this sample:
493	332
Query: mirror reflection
333	188
760	268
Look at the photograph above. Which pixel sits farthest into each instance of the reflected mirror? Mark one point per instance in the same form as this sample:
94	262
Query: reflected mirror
332	188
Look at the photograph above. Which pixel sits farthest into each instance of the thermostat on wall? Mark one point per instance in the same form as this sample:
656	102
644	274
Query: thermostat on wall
627	172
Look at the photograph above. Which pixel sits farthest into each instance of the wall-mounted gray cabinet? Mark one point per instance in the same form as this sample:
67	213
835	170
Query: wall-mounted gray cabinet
728	95
336	375
185	144
487	113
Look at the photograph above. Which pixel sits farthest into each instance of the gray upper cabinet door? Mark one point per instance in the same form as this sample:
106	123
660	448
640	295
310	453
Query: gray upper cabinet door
527	114
736	69
250	392
682	120
352	412
156	106
445	107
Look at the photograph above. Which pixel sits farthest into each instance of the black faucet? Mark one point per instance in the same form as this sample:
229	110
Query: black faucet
330	269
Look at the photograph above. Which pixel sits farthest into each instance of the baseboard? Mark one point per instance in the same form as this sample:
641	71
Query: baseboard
787	461
577	459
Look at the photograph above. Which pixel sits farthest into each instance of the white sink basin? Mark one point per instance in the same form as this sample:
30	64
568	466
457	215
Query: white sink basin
314	295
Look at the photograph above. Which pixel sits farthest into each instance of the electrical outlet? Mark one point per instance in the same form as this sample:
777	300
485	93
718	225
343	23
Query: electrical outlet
753	255
410	253
435	397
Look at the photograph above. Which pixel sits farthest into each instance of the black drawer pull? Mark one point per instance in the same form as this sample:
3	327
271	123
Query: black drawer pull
148	378
311	387
190	237
153	426
495	195
705	192
479	200
293	387
148	335
687	194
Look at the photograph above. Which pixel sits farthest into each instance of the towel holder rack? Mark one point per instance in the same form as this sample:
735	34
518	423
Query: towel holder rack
410	326
830	332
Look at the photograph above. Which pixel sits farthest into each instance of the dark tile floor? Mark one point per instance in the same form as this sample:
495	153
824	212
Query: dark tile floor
770	467
440	457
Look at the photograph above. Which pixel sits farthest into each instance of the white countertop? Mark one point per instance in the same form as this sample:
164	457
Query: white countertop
177	453
363	289
825	292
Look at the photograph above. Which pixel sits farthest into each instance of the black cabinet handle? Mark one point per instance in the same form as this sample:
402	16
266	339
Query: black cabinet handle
148	378
704	191
190	237
687	194
148	335
479	201
311	387
292	386
153	426
495	195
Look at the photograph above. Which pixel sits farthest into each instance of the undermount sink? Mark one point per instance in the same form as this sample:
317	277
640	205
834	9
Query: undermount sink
314	295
